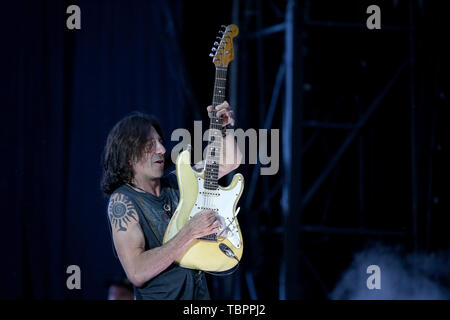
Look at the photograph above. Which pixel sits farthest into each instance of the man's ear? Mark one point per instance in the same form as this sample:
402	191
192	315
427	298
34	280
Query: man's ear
131	163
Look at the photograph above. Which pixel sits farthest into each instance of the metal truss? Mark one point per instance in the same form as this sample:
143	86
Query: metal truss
294	200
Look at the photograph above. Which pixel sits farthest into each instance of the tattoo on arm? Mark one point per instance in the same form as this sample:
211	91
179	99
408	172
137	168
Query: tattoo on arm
120	211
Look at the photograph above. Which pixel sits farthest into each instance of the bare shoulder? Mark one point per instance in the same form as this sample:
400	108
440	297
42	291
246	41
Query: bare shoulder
121	212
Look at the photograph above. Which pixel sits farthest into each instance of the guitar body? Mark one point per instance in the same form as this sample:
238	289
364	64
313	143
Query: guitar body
194	197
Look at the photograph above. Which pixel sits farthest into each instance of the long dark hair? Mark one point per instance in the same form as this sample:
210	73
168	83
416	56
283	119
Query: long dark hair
126	141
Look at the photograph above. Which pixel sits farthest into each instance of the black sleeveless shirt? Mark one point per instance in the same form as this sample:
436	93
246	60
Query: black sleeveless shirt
154	212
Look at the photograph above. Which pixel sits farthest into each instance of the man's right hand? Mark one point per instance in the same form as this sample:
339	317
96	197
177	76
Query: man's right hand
202	224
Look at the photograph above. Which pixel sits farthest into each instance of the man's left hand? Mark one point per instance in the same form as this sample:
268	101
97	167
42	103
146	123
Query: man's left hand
223	111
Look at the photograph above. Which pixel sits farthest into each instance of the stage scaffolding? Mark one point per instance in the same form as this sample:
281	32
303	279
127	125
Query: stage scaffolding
287	98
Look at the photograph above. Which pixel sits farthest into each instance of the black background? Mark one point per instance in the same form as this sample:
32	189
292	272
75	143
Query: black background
62	91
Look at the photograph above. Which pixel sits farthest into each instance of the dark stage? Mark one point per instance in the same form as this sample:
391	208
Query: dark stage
358	185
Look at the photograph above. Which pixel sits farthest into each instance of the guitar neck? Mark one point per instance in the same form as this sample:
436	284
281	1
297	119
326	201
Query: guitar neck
219	86
215	131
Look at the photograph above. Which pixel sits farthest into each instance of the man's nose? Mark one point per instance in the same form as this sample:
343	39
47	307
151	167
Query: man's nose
160	148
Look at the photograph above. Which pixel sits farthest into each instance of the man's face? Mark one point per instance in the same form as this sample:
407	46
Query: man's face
151	165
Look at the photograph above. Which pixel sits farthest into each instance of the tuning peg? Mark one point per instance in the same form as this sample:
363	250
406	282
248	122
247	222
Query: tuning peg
214	49
219	38
223	26
211	54
216	43
221	32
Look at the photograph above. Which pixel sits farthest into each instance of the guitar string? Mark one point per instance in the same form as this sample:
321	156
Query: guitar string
220	81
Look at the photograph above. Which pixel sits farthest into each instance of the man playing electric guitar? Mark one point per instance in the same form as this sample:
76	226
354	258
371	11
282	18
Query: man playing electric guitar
142	201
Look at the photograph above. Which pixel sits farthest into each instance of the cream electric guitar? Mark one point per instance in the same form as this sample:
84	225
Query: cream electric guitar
200	190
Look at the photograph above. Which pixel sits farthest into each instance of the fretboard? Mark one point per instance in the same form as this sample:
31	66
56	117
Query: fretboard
215	132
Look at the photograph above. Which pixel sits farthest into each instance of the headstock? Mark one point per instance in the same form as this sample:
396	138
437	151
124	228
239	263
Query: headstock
223	50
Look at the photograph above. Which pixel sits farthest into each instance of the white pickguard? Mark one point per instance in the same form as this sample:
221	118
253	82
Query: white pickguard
222	202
